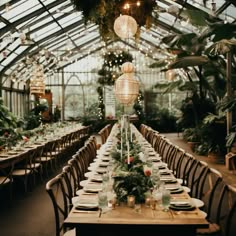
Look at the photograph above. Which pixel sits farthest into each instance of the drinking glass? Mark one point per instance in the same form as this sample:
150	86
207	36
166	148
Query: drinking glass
155	177
165	199
102	200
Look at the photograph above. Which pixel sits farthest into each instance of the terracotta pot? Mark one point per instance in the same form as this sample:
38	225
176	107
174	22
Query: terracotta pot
216	158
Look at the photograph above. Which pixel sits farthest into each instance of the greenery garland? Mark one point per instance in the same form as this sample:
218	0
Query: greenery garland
104	12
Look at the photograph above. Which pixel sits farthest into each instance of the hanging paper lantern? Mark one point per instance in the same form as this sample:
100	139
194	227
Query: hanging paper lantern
125	26
126	88
127	67
37	81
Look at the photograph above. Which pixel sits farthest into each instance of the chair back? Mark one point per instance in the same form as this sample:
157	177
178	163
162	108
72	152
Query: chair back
57	190
226	215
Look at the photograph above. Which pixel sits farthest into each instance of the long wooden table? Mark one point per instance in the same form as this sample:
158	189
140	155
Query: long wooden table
8	159
126	221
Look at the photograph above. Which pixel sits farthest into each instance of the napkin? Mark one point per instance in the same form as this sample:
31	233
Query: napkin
180	203
182	206
172	187
93	188
101	170
97	178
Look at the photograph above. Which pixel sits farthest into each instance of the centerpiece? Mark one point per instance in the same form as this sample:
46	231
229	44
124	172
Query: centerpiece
131	172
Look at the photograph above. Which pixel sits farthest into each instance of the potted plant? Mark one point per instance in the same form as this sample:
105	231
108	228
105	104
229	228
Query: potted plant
231	140
193	137
213	134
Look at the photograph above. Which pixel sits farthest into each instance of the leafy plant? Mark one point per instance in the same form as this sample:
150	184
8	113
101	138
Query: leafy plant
33	119
213	130
231	137
9	125
192	134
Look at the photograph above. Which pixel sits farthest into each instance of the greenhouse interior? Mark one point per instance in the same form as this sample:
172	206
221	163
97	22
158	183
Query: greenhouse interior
100	98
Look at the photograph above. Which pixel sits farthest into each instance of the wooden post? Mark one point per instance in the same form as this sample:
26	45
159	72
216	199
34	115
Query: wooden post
63	96
229	89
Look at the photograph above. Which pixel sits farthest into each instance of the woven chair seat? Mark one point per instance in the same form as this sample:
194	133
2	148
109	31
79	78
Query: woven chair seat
33	166
4	180
21	172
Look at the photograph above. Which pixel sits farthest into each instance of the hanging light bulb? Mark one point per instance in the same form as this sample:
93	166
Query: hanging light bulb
22	37
213	6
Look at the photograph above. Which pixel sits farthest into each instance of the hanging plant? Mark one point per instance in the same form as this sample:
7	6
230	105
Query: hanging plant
112	60
104	12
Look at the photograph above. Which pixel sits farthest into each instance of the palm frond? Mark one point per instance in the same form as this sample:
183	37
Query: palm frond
221	47
189	61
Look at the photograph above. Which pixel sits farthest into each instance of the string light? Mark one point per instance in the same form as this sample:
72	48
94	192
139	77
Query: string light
213	6
7	7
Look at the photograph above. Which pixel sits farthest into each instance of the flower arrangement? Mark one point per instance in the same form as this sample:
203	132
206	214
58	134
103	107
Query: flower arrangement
25	139
8	139
131	178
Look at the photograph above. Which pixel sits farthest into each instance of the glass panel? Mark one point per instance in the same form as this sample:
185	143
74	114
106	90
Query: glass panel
199	4
47	31
2	25
22	9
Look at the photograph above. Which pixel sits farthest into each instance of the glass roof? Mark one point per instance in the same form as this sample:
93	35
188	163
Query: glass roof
53	32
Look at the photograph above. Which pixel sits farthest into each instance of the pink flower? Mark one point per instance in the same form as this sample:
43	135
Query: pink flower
131	159
25	138
147	172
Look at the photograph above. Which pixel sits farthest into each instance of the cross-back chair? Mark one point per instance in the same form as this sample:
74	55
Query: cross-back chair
57	190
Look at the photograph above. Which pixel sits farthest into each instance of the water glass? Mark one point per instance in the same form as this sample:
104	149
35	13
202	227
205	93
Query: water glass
165	199
105	177
102	200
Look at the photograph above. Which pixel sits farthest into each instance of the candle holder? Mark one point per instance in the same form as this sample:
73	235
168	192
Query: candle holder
131	201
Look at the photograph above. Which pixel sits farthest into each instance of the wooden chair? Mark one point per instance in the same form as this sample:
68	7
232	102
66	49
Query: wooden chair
221	212
164	142
6	181
48	158
72	179
168	154
229	228
35	165
23	170
57	190
78	173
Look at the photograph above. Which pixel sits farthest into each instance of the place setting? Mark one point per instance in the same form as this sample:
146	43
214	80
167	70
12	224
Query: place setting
174	188
92	187
85	204
181	205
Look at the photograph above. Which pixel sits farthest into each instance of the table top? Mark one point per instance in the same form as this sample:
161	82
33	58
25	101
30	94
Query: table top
143	216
